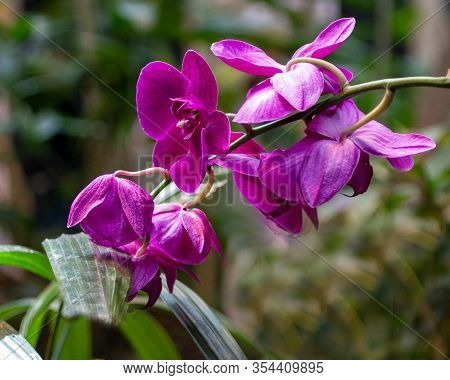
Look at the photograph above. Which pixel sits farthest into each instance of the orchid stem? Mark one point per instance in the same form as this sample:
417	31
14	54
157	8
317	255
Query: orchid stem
343	82
162	185
247	127
378	110
348	92
205	192
139	173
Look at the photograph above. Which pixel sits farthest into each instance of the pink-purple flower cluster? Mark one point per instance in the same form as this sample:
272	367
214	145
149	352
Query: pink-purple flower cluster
119	214
179	109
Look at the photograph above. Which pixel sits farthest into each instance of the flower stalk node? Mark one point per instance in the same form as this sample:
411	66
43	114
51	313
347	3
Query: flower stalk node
205	192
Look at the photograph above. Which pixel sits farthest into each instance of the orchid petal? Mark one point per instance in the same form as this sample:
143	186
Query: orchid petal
328	40
194	228
107	224
181	234
203	83
335	120
211	234
331	83
218	133
239	163
312	215
328	166
263	103
170	149
245	57
301	87
132	198
290	218
153	289
374	138
158	83
90	197
256	193
244	159
143	270
402	164
189	171
362	175
280	170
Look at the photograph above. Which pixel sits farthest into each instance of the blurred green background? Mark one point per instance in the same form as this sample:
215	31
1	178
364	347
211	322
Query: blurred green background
68	71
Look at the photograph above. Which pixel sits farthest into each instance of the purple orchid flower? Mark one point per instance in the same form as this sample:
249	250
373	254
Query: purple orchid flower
113	211
185	234
244	163
179	110
284	91
322	163
145	265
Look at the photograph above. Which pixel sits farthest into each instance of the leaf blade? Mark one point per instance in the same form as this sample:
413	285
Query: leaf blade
25	258
34	318
90	286
74	340
13	346
14	308
147	337
208	332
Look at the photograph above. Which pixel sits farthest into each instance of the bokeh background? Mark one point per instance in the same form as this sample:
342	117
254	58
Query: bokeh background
373	282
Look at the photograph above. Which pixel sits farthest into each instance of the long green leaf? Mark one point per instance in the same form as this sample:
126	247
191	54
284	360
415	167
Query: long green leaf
14	346
73	339
32	322
148	337
14	308
208	332
91	286
25	258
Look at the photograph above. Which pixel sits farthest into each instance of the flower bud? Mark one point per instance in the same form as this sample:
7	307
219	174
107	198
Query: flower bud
185	235
113	211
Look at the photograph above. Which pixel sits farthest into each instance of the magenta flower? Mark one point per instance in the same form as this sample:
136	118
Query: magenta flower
244	163
284	91
179	110
321	164
145	265
113	211
186	235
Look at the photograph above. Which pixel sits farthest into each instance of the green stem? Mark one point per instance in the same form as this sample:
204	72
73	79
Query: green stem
53	331
349	92
162	185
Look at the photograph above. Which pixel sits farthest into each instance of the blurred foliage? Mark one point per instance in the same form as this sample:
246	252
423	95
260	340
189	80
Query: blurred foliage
67	76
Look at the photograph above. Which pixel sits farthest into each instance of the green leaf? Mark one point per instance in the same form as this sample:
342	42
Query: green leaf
93	287
25	258
73	339
148	337
32	322
208	332
14	346
14	308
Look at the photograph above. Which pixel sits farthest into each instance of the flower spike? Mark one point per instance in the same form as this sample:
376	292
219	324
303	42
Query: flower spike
378	110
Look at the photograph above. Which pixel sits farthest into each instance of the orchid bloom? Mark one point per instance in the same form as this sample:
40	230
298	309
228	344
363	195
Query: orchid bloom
179	110
244	163
145	264
322	163
113	211
284	91
186	235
